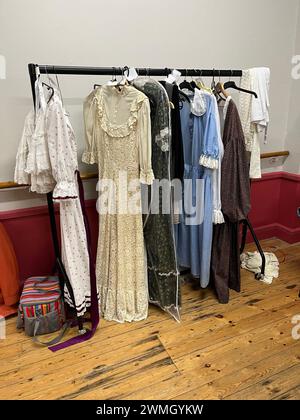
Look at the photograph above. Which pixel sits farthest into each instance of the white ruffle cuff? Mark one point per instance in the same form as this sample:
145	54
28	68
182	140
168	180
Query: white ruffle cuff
209	162
65	190
90	157
146	177
218	217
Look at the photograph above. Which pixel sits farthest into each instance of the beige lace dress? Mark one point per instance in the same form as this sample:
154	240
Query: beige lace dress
118	139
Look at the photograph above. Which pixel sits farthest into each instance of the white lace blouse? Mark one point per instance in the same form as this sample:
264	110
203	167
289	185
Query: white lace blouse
47	154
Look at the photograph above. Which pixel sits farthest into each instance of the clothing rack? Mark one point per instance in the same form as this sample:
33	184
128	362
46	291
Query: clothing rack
143	71
117	71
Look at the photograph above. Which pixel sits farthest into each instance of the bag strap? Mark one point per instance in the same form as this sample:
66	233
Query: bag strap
44	290
42	279
55	340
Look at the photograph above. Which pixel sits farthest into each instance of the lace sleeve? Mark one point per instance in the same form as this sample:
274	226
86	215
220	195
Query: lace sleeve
145	143
90	114
162	138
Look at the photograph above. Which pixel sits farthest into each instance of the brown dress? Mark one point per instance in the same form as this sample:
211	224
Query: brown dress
235	195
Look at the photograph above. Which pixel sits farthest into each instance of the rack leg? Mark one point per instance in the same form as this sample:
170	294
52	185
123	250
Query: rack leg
263	259
64	280
244	236
81	328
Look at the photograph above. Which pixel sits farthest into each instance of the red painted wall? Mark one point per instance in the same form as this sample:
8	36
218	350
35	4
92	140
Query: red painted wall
289	201
265	198
275	199
29	230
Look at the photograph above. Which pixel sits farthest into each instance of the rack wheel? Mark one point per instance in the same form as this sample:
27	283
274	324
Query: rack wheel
83	331
259	276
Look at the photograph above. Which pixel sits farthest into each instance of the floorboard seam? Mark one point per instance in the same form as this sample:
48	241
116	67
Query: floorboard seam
166	350
266	378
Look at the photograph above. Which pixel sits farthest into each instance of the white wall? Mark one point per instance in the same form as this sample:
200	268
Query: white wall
292	140
194	33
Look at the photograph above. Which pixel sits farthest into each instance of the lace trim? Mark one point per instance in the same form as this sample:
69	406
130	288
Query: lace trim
23	154
245	102
170	273
90	157
37	162
122	130
198	106
248	144
134	306
218	217
65	189
209	162
21	177
125	318
42	183
146	177
162	139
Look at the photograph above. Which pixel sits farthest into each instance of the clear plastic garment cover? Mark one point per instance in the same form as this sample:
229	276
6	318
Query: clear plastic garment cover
163	274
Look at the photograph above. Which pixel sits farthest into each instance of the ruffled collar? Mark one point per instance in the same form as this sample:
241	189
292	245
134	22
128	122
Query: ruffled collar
118	130
198	104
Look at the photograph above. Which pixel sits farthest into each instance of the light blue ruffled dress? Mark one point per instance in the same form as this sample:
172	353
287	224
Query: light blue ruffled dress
201	153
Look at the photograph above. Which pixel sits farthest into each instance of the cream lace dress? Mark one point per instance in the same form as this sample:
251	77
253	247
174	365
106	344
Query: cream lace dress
118	139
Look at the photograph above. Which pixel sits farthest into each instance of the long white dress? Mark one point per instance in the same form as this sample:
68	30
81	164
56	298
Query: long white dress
254	113
47	160
118	138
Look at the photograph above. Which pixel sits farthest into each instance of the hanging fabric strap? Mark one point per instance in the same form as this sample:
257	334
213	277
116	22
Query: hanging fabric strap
94	309
55	340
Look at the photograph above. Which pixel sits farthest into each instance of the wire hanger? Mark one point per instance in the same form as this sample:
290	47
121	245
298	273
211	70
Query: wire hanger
49	87
113	79
232	85
123	80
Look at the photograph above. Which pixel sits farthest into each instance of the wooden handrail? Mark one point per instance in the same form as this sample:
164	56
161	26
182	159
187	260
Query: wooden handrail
274	154
84	176
94	175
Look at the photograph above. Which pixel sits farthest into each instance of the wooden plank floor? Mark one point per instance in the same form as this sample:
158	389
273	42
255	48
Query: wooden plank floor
243	350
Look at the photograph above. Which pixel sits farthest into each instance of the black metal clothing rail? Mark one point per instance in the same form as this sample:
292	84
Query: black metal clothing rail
143	71
116	71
